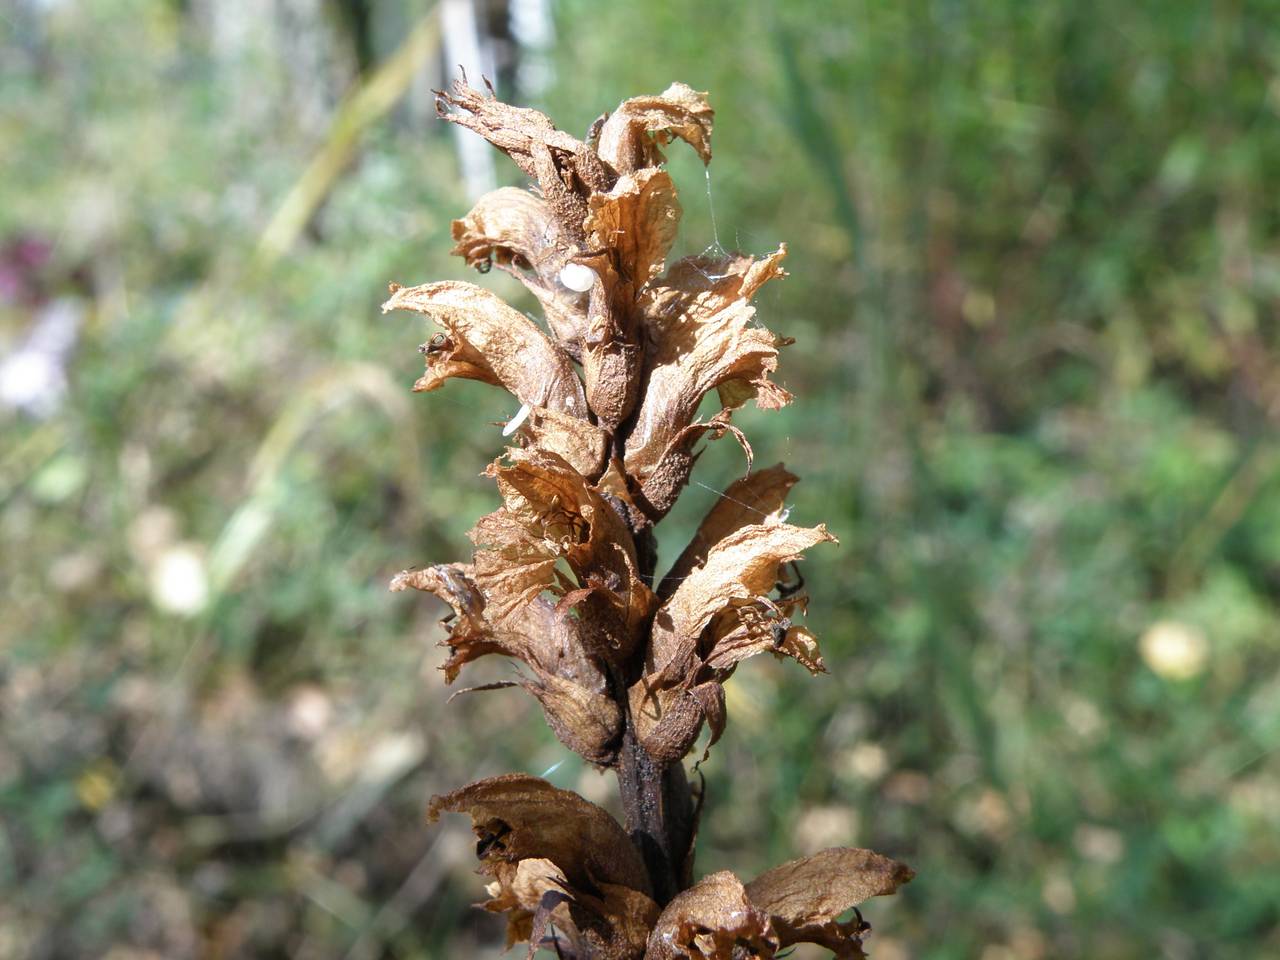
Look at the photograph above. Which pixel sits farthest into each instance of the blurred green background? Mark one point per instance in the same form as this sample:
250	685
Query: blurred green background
1035	276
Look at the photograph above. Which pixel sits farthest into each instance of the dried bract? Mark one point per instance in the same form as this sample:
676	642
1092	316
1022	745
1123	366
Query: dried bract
804	898
517	817
713	920
519	233
630	138
489	341
567	681
700	336
567	171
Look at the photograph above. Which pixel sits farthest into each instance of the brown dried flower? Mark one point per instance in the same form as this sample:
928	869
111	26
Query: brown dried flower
627	668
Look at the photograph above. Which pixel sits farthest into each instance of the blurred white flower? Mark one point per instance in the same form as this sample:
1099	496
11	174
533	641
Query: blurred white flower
826	826
1058	892
310	711
1174	650
152	531
1084	718
1100	844
867	761
179	583
987	813
33	378
75	571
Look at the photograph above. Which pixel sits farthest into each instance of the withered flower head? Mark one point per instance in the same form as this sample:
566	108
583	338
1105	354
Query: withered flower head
628	668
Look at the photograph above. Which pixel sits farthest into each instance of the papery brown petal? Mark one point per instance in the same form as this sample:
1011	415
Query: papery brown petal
517	891
567	682
701	286
746	501
805	897
550	513
469	635
586	721
566	169
637	220
661	486
580	443
629	138
610	349
513	130
513	566
475	631
515	563
510	223
826	884
490	341
690	361
629	227
612	926
543	934
556	505
742	567
516	817
520	233
632	226
700	336
667	720
743	631
710	697
712	920
802	646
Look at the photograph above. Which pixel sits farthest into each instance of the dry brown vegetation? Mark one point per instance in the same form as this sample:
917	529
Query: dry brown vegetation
628	667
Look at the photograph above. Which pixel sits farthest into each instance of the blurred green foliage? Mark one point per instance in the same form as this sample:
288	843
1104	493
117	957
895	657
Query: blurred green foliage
1035	258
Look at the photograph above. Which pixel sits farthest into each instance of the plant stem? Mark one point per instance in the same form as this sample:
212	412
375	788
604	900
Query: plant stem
658	808
656	801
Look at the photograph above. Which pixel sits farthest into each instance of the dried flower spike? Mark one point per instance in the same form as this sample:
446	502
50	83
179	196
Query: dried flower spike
627	667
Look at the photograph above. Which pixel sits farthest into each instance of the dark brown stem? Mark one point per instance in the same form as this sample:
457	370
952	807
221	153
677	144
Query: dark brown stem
656	801
658	807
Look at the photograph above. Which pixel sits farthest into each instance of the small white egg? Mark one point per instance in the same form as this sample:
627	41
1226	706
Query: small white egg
577	277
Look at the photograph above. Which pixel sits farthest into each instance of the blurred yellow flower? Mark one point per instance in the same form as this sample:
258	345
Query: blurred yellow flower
1174	650
97	785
